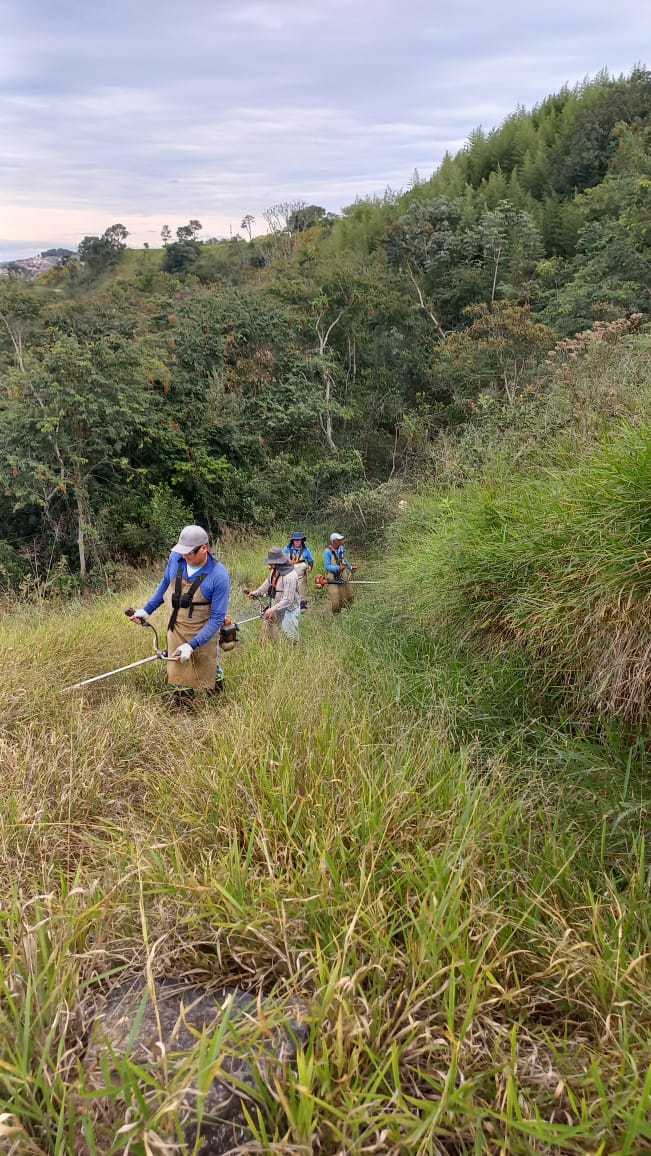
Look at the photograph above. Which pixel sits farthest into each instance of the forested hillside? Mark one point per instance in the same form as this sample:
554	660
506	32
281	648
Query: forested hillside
406	861
327	361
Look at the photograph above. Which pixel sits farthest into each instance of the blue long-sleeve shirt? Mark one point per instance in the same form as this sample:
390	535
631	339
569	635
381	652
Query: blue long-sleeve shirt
215	588
304	555
335	560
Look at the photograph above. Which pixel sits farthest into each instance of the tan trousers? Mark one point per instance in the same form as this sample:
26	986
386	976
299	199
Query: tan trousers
340	595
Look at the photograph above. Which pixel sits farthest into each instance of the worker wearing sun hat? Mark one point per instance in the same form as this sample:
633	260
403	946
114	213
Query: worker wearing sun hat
299	553
195	588
281	588
338	571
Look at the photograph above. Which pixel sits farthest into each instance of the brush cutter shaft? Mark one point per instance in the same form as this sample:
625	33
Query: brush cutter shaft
158	657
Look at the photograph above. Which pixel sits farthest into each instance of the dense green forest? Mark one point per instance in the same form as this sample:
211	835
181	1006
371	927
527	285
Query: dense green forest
328	362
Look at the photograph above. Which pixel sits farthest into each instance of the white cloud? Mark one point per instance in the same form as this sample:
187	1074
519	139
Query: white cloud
155	112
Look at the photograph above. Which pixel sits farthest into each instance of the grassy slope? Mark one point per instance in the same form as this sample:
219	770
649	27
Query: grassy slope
135	262
552	561
458	890
132	263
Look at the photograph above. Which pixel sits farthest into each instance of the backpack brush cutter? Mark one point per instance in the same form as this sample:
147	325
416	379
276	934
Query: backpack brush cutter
227	641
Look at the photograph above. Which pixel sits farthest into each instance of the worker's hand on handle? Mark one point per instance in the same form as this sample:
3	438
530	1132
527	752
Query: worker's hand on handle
137	616
268	615
183	652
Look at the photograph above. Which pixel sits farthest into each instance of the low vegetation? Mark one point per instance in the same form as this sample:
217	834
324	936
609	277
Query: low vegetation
405	829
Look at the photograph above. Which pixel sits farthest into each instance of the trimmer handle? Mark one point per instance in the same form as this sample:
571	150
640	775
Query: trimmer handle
130	613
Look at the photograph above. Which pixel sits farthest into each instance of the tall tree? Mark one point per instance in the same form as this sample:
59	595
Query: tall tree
66	419
18	313
247	224
189	232
100	253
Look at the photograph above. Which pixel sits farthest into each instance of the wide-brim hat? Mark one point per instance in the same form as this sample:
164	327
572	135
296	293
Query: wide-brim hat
279	560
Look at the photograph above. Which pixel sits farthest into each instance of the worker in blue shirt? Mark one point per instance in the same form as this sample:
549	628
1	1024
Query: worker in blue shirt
338	571
297	551
195	589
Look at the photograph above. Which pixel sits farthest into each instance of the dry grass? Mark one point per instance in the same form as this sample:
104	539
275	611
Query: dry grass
476	972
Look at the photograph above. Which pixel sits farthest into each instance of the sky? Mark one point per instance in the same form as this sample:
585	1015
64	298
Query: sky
150	112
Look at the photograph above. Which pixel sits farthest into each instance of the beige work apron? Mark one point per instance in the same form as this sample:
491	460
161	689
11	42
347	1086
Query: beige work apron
339	593
301	569
201	671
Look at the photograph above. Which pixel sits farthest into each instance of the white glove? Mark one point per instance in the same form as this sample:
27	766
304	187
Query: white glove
184	652
141	614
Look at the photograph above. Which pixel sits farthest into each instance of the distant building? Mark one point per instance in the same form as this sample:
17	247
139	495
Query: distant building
30	267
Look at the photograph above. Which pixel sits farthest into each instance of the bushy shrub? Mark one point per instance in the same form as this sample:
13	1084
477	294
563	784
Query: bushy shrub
300	488
138	526
558	565
602	331
167	514
365	514
572	402
13	568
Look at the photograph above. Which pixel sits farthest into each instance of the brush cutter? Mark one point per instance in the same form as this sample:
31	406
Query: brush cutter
227	637
322	583
158	656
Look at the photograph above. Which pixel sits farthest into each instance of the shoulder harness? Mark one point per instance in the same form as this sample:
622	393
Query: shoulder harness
181	601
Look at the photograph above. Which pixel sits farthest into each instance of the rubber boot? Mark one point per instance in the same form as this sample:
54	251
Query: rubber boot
219	686
183	698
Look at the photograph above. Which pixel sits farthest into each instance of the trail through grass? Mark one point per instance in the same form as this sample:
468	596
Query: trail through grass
457	889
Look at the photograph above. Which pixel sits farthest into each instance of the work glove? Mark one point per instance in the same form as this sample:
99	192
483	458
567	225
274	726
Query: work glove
139	615
183	652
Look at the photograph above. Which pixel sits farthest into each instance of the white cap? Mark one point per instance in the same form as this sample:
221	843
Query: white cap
190	538
336	537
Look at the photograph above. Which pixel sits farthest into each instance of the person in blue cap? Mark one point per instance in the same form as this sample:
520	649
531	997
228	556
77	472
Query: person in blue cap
297	551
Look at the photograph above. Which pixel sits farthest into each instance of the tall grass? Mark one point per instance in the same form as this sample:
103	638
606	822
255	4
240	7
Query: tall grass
559	565
472	955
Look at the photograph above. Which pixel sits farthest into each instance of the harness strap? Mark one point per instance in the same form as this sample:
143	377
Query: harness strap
181	601
336	578
272	588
